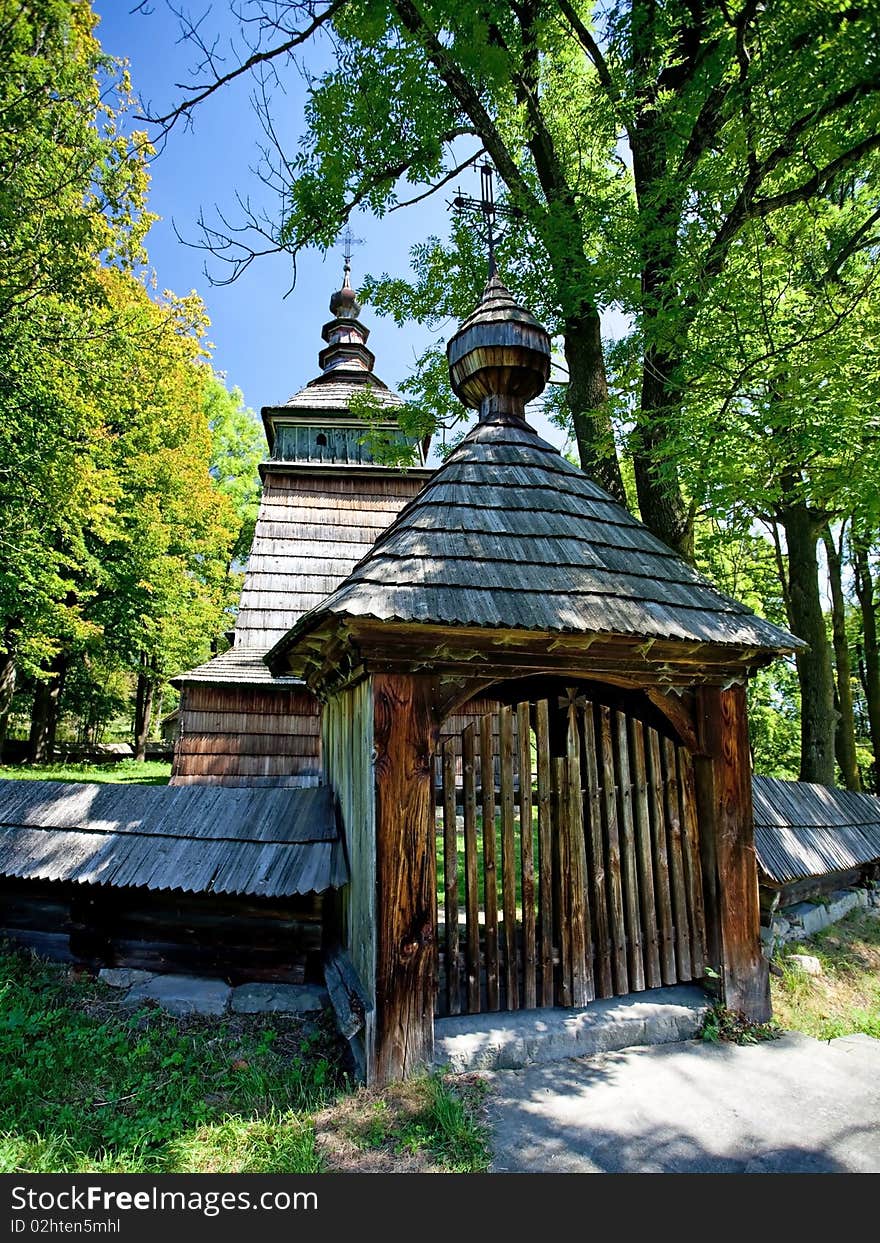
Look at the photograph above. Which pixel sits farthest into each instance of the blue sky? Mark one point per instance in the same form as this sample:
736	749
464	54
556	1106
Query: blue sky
266	343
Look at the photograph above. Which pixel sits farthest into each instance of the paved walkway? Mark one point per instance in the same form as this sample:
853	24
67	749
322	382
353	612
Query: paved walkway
793	1105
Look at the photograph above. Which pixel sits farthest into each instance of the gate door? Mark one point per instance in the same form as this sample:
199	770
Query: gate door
568	859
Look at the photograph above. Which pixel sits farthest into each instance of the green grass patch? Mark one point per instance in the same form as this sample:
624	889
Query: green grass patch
845	998
133	772
86	1085
432	1123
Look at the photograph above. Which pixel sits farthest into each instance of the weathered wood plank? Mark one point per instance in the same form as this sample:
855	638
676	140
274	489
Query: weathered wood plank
527	857
545	849
490	864
471	886
676	864
596	861
662	894
724	786
350	1002
644	862
582	988
629	872
450	883
508	858
561	887
405	734
617	928
690	833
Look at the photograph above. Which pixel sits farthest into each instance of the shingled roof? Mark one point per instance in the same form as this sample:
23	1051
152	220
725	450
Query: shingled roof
510	535
263	842
803	829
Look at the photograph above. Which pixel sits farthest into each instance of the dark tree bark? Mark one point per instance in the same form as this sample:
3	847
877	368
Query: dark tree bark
46	711
7	690
845	736
801	527
587	399
143	713
661	502
865	591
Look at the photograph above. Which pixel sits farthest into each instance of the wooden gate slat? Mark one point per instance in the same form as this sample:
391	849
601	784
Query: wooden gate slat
526	847
490	862
629	875
676	864
662	894
508	858
644	862
691	857
561	887
612	845
450	875
596	861
545	850
582	989
471	886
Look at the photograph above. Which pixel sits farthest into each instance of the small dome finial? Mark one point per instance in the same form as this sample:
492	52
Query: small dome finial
500	357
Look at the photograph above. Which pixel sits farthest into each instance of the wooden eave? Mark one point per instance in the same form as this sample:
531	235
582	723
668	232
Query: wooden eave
339	470
332	651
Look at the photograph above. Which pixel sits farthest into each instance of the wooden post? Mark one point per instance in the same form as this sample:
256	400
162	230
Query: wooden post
405	736
724	794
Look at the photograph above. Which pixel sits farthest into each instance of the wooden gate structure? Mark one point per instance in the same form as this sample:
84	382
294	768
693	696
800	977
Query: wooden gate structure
565	877
510	570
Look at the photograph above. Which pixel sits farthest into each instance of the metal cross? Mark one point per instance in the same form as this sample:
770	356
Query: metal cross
486	206
347	240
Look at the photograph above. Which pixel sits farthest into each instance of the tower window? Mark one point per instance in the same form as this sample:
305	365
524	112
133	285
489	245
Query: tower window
321	439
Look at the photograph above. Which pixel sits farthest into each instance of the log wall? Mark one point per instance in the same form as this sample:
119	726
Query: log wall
236	939
247	736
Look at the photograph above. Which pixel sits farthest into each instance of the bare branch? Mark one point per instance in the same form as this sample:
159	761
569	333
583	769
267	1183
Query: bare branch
202	93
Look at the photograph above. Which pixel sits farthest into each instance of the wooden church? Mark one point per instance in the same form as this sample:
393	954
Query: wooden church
478	725
324	501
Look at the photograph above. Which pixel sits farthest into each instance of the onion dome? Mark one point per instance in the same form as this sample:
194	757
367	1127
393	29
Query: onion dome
500	357
344	303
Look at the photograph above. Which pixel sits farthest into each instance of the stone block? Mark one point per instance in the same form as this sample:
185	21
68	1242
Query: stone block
279	998
123	977
807	963
182	994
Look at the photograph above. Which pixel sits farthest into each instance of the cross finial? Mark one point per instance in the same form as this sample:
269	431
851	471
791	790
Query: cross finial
347	240
486	206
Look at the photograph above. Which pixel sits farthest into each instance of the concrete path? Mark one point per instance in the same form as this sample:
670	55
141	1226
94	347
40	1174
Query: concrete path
792	1105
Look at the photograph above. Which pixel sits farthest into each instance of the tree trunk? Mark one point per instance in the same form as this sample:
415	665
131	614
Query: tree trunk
814	664
661	502
845	736
46	711
143	713
587	399
7	690
864	584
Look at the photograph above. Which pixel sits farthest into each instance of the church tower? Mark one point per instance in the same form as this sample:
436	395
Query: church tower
325	500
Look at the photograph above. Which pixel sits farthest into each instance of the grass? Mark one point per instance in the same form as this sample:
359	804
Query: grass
146	772
87	1085
845	998
429	1124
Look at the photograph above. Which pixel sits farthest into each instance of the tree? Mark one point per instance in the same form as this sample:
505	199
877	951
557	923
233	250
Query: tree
238	446
163	589
782	415
730	113
71	197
